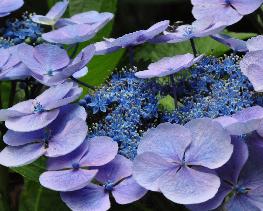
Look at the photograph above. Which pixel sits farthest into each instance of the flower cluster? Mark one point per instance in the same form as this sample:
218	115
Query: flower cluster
115	142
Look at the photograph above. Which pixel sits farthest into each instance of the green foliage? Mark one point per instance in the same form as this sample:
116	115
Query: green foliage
154	52
33	170
167	103
36	198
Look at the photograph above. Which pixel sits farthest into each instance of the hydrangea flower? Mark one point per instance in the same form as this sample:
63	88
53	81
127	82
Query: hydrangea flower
23	30
241	180
37	113
169	66
11	68
54	14
131	39
227	11
90	17
242	122
252	67
255	43
235	44
51	64
8	6
61	137
178	160
199	28
75	170
113	178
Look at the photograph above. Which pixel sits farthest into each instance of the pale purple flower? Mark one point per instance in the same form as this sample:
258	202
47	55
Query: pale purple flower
179	160
131	39
168	66
8	6
255	43
54	14
11	68
252	67
199	28
241	179
113	178
235	44
51	65
35	114
61	137
227	11
75	170
90	17
242	122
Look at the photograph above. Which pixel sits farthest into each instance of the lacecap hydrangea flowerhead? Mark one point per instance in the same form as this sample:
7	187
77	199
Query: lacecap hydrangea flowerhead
188	128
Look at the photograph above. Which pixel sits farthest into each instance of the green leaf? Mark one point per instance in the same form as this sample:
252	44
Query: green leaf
207	45
167	103
33	170
36	198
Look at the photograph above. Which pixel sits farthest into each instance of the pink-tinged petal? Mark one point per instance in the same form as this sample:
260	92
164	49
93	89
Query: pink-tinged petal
231	170
215	202
26	55
54	93
13	138
58	10
235	44
22	155
71	96
101	150
51	57
189	186
68	160
254	74
90	198
7	6
242	122
167	140
255	43
91	17
114	171
72	34
148	169
67	140
67	180
128	191
211	146
245	7
31	122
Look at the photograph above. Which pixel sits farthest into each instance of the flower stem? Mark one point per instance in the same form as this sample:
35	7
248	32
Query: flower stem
82	83
174	89
193	47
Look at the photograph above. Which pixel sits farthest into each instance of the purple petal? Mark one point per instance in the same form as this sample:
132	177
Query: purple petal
71	34
242	122
240	202
211	146
231	170
255	43
67	180
4	54
244	7
91	17
92	197
18	72
114	171
51	57
128	191
58	10
105	47
7	113
128	39
254	57
156	29
22	155
235	44
101	150
31	122
66	161
188	186
67	140
41	19
8	6
81	73
167	140
254	74
13	138
148	169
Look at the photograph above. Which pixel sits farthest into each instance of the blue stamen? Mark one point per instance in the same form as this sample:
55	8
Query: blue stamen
75	166
38	108
108	186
